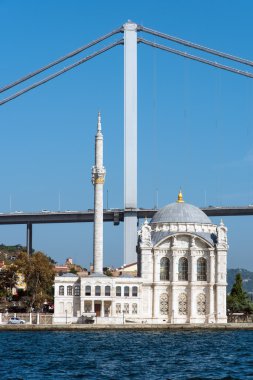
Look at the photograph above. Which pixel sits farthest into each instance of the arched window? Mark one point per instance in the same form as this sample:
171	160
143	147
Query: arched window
97	290
183	269
69	290
118	291
126	291
61	290
182	304
165	269
107	290
201	304
134	291
201	269
77	290
88	290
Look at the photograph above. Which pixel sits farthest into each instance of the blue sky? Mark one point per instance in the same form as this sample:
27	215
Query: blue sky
194	122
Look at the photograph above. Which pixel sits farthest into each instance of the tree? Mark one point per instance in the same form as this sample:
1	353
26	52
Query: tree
38	271
8	279
238	300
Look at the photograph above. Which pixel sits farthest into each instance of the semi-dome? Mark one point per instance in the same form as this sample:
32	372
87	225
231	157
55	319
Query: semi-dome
180	212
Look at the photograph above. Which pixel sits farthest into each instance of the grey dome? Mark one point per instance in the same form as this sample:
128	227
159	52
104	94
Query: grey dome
180	212
69	274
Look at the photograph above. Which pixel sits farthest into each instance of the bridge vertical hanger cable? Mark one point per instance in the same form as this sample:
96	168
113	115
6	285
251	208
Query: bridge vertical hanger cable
185	127
155	133
218	144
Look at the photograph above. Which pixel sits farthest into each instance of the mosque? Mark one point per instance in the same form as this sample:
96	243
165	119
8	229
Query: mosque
181	277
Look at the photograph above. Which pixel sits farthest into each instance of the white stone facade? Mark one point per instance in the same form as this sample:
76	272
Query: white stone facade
181	279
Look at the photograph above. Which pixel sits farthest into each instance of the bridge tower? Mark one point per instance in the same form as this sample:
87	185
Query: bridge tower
130	141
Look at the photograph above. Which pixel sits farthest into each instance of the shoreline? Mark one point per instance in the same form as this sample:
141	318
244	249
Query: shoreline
140	327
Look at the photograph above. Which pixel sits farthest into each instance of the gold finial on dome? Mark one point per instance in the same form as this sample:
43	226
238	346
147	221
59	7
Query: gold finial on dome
180	197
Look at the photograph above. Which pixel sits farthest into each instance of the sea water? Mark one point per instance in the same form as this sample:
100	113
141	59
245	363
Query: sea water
150	355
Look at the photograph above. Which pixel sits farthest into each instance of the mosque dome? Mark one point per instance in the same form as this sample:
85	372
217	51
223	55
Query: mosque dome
180	212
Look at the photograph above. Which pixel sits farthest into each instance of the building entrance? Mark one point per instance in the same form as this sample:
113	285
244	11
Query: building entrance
98	309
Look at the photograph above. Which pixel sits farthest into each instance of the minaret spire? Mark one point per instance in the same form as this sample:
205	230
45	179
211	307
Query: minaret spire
99	128
98	179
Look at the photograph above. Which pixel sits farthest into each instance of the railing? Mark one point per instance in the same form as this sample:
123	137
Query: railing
29	318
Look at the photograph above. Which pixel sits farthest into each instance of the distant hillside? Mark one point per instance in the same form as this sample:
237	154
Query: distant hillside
247	277
9	253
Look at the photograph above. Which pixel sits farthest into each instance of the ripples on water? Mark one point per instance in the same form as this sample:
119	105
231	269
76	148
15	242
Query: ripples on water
160	355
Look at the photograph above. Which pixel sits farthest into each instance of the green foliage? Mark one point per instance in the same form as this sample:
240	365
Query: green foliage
73	270
107	271
238	300
39	277
8	279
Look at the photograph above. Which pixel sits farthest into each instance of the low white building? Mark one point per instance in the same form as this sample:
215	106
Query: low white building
182	266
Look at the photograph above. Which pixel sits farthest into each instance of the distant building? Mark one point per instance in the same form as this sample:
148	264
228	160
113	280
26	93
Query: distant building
181	270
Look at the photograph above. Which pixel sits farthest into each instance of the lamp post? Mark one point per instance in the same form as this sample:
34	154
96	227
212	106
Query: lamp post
123	316
66	311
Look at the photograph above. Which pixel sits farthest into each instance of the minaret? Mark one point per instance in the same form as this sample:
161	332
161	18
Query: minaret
98	178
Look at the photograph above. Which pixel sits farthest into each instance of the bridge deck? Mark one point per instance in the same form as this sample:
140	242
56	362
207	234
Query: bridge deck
110	215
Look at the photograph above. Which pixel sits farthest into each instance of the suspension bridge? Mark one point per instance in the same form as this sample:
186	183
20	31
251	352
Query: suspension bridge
131	213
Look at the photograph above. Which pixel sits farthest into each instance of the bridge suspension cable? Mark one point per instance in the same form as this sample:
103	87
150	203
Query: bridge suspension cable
196	46
59	60
121	41
70	67
195	58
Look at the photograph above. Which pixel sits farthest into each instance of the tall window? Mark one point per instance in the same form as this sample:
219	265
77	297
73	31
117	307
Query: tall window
97	290
126	308
134	308
183	269
77	290
69	290
165	269
118	291
87	306
201	269
61	290
126	291
88	290
107	290
118	308
134	291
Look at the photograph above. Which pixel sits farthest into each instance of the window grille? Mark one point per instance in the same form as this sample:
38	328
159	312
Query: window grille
182	304
61	290
164	304
69	290
164	269
134	308
118	291
201	304
183	269
126	308
107	290
77	290
118	308
201	269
